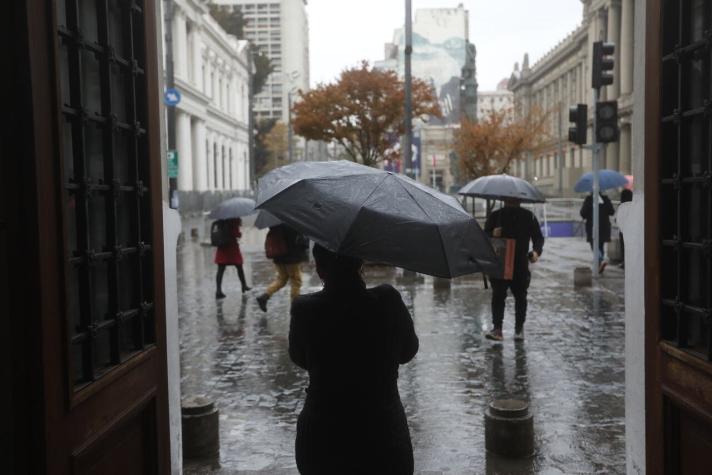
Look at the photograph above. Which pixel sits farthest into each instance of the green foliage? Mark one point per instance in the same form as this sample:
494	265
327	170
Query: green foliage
262	151
229	18
263	68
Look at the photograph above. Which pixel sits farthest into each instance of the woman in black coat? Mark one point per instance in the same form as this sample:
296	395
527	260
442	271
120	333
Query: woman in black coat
351	340
605	210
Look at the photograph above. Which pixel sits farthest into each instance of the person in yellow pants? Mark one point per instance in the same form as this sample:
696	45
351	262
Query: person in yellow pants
288	249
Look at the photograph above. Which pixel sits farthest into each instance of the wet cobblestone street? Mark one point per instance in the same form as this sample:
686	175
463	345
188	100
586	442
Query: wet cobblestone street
570	368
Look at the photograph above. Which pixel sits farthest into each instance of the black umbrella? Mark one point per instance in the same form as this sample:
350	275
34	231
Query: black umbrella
265	219
378	216
500	187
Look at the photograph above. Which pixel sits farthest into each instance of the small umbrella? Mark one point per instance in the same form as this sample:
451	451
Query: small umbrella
378	216
608	179
265	219
233	208
500	187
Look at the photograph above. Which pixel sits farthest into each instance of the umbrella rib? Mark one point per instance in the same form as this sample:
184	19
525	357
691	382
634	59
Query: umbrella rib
440	236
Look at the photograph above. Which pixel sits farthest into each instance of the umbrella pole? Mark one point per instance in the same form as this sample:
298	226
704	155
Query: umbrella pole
595	238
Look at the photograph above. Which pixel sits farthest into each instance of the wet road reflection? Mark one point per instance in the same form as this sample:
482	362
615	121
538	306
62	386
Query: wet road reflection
570	368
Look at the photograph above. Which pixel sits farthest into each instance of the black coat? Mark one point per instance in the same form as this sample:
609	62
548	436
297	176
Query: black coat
520	224
605	210
297	246
351	345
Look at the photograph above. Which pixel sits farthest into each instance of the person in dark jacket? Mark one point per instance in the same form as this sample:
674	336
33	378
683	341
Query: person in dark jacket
514	222
230	255
288	265
351	340
626	196
605	211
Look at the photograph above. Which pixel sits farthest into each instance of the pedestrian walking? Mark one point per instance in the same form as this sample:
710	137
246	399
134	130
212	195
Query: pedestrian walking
351	340
514	222
626	196
225	235
288	249
605	211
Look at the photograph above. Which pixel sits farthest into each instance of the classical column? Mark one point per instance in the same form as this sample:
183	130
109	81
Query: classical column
180	46
185	152
219	164
625	149
614	36
626	47
211	162
200	165
197	44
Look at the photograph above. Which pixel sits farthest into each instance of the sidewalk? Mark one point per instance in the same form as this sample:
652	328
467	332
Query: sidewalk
570	368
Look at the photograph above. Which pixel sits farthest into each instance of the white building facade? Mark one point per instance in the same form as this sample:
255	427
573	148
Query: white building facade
497	101
212	71
280	28
562	78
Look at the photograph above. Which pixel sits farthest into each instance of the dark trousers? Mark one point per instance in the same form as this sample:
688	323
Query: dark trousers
600	248
221	272
519	286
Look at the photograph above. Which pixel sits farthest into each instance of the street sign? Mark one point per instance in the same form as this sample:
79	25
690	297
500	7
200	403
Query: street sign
171	97
172	164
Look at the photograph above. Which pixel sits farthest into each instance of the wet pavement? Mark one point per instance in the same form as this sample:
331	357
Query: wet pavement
570	368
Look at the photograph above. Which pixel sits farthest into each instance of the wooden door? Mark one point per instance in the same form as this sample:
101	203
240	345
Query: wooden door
87	289
678	214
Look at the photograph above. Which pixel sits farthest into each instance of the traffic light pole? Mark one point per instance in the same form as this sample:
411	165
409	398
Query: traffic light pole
408	86
595	151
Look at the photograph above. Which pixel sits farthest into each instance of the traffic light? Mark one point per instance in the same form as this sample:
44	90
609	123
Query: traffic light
603	64
578	115
607	122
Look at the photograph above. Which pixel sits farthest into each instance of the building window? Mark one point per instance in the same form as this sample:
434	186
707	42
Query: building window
686	171
215	166
107	210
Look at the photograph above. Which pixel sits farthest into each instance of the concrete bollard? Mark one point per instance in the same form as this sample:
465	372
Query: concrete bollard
583	277
509	429
201	434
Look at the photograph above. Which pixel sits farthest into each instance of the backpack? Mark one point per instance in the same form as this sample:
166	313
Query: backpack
275	243
220	234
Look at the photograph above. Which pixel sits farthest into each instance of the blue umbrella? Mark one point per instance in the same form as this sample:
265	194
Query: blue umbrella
608	179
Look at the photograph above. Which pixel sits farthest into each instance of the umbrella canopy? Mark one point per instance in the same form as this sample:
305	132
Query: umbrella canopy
608	179
379	216
265	219
233	208
500	187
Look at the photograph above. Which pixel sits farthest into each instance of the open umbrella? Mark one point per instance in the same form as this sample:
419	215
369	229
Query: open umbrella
378	216
233	208
608	179
265	219
500	187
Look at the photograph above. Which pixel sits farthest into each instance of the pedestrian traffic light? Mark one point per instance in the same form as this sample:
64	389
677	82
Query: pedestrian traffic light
603	64
578	115
607	122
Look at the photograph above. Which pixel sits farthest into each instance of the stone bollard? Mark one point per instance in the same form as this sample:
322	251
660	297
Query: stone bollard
583	277
201	435
509	429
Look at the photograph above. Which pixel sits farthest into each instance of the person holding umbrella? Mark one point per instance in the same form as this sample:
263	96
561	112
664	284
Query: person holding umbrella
351	340
229	255
224	234
510	222
606	210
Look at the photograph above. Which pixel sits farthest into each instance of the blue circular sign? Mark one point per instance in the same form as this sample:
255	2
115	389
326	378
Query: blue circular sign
171	97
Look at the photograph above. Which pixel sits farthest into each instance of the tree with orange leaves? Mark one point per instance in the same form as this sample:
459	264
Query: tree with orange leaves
363	112
488	146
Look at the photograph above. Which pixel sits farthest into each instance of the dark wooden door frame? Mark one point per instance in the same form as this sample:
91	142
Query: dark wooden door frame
653	396
54	440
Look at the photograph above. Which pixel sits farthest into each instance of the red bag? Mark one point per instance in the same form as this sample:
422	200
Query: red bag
505	249
275	243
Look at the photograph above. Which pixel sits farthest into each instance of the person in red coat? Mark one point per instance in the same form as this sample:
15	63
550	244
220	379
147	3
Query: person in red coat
230	255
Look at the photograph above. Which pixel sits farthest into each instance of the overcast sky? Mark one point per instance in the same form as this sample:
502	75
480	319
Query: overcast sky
343	32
